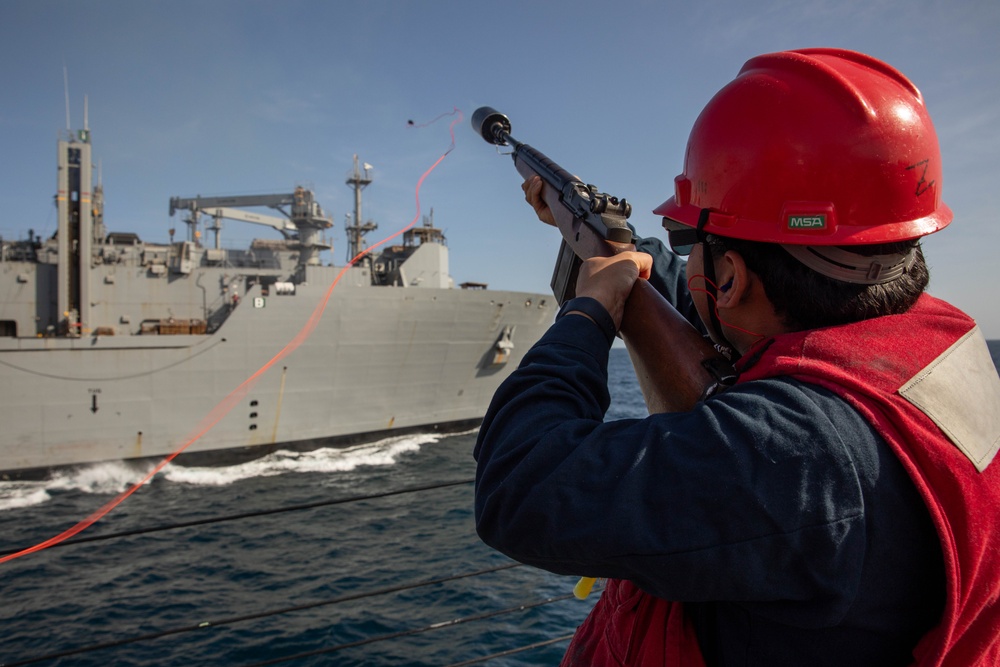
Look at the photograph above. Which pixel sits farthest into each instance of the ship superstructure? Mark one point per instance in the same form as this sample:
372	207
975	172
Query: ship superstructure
112	347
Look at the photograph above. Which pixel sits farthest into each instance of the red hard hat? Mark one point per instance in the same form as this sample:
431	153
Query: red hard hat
813	147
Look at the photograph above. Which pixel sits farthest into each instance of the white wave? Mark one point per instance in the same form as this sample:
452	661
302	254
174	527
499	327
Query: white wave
115	477
15	495
326	460
103	478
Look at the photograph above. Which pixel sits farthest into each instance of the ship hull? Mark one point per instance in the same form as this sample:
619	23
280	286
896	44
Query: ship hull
380	360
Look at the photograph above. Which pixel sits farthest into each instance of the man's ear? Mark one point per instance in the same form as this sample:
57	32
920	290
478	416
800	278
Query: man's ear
734	279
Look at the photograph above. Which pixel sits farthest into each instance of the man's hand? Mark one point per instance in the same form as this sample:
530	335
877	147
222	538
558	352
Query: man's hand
533	195
607	279
610	279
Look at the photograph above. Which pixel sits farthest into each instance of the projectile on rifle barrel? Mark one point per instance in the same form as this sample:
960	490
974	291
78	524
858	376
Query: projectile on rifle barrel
492	125
604	213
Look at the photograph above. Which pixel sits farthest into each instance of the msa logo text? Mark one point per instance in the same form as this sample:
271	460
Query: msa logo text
806	221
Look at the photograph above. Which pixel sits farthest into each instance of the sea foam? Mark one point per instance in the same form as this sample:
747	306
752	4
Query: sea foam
115	477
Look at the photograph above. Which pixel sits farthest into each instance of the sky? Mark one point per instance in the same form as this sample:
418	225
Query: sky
225	97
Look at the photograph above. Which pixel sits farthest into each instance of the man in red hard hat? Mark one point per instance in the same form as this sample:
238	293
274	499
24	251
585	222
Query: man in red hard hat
838	505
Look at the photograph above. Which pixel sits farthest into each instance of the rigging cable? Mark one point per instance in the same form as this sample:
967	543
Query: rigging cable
511	651
146	373
274	612
247	515
415	631
203	625
239	393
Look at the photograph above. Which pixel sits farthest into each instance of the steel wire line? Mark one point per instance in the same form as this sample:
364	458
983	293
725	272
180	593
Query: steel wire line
249	515
414	631
285	610
273	612
511	651
132	376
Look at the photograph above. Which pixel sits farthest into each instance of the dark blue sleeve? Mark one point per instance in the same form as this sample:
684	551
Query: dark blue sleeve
750	496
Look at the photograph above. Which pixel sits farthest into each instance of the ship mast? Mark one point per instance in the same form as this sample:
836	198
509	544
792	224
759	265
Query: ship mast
77	227
355	230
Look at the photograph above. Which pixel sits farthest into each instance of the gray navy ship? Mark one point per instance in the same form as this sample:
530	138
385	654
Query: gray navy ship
115	348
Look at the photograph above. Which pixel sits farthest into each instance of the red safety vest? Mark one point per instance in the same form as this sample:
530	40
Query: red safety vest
885	368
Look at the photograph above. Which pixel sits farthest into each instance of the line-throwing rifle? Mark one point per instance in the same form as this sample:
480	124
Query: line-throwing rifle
676	366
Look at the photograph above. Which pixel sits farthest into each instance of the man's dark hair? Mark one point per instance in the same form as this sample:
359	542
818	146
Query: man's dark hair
805	299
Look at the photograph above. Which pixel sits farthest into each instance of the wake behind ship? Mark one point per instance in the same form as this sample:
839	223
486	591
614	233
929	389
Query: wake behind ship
115	348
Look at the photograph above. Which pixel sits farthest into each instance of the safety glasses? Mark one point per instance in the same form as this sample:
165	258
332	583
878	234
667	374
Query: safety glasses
681	238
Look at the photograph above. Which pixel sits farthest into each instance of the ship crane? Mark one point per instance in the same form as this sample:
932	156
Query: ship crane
283	225
304	218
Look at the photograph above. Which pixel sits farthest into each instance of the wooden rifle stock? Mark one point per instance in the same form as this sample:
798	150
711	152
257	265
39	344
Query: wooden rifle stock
676	366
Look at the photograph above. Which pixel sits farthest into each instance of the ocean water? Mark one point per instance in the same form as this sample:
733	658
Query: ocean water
374	560
143	596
